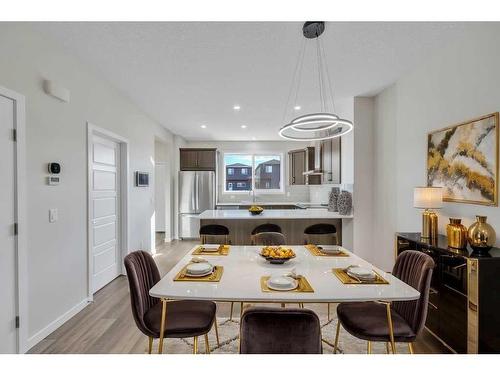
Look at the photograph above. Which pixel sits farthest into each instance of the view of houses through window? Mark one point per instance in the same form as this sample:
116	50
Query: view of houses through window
247	172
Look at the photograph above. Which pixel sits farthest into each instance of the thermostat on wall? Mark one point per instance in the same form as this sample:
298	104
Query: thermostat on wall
53	180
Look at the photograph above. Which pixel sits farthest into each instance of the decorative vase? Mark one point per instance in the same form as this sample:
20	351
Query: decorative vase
344	202
481	235
332	199
456	233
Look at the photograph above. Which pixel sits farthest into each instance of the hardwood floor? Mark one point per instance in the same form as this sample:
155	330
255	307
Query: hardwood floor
107	325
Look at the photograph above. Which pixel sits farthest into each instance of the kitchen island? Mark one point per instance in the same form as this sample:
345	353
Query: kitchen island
292	222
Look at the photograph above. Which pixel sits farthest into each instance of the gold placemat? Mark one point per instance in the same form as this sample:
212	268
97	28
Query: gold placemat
223	250
213	277
303	287
346	279
313	249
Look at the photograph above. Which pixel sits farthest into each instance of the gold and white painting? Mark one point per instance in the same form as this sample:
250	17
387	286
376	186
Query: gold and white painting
463	159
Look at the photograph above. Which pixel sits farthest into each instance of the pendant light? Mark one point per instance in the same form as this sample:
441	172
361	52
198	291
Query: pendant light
320	125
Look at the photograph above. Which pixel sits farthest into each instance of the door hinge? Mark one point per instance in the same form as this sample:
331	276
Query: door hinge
16	229
14	135
17	321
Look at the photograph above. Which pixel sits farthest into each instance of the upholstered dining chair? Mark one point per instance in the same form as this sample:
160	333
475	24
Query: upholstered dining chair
215	232
271	330
400	321
267	227
321	234
184	318
269	239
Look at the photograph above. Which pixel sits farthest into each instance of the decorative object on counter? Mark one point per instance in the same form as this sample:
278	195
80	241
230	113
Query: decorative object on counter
256	210
428	198
456	233
481	236
277	254
463	159
344	202
333	199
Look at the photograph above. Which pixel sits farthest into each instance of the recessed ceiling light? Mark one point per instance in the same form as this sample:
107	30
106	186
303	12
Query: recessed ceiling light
297	107
203	126
243	126
236	107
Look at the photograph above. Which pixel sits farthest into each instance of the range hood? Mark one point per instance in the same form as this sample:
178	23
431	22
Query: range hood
313	160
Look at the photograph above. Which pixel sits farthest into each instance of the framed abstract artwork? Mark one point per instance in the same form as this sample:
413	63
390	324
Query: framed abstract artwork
463	160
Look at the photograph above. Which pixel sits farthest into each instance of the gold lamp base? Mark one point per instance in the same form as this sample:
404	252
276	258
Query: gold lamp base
429	224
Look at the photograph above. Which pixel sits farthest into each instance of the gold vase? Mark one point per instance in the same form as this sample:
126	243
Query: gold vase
456	233
429	225
481	235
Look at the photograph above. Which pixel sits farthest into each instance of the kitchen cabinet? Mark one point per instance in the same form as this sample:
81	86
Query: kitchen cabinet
296	167
198	159
330	152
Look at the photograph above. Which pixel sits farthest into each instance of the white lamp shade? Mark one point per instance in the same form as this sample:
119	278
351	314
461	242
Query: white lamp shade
428	197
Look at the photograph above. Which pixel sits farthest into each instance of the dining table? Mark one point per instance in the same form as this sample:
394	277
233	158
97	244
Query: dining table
243	268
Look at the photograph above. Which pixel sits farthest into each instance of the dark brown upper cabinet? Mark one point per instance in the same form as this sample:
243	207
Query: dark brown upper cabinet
296	167
331	161
198	159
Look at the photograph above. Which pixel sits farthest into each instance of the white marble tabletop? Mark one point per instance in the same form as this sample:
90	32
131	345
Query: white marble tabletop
244	267
311	213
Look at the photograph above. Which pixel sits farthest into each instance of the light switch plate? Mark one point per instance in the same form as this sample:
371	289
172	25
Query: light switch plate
53	215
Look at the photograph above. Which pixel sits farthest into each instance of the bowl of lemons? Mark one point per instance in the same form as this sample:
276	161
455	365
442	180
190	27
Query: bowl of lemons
277	254
256	210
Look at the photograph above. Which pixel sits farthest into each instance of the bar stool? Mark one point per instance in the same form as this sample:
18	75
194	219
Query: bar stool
321	232
263	228
214	230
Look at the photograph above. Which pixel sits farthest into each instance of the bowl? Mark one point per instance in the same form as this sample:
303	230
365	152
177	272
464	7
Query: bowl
255	210
274	259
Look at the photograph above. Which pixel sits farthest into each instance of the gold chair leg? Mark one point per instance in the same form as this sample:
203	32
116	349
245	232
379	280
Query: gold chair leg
337	334
162	324
369	347
207	345
387	348
216	332
195	345
328	311
391	330
150	346
410	348
283	305
231	313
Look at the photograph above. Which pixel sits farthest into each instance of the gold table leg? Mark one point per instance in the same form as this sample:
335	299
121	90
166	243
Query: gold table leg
162	324
216	331
150	346
391	329
241	310
410	348
195	345
207	345
369	347
387	348
328	311
337	334
231	313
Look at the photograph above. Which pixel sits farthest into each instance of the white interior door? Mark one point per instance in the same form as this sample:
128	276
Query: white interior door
8	264
105	211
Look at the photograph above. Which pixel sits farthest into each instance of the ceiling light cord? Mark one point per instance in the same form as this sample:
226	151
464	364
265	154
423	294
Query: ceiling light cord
294	78
330	87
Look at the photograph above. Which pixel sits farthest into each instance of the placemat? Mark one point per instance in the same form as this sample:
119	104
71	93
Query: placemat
303	287
313	249
346	279
213	277
223	250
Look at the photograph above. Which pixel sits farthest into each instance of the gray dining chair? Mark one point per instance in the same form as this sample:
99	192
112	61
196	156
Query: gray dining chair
269	239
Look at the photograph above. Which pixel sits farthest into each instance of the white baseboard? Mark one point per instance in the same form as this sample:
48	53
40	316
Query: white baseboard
51	327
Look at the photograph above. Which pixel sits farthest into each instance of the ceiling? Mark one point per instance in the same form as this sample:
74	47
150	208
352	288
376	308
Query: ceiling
185	75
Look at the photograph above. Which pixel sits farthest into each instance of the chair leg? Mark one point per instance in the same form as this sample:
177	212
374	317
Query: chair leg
216	332
387	348
337	334
162	324
369	347
150	346
410	348
391	330
328	311
283	305
207	345
231	313
241	310
195	345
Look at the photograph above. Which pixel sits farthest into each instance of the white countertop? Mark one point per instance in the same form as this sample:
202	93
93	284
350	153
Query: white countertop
243	268
249	203
310	213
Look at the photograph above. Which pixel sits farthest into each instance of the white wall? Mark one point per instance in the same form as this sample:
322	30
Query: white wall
56	131
458	84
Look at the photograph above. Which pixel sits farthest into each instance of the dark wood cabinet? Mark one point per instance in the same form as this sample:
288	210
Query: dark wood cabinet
296	167
330	151
464	295
198	159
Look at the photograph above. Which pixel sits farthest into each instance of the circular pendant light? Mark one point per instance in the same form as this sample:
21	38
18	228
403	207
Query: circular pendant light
314	126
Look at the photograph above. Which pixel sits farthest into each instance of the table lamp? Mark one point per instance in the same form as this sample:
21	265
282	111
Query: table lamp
428	198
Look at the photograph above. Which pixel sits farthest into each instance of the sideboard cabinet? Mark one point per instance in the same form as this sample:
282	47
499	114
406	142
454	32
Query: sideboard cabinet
464	299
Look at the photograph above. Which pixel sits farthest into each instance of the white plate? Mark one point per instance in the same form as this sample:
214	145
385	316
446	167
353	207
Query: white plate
329	249
361	273
210	248
282	283
201	274
198	268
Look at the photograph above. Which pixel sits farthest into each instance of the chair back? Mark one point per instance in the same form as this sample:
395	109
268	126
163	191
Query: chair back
321	234
214	230
266	228
415	269
271	330
142	274
269	239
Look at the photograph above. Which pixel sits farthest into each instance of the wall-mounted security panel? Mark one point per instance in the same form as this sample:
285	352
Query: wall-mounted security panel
57	91
54	168
141	179
53	180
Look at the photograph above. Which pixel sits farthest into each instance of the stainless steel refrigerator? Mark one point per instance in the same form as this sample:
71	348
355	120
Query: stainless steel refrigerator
196	194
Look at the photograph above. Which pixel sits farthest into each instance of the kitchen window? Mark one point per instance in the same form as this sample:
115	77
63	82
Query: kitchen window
262	173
